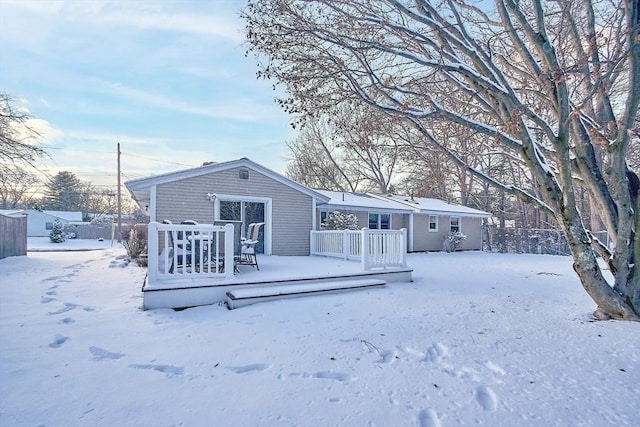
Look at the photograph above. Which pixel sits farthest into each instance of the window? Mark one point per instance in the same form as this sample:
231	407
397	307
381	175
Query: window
385	221
433	223
48	226
243	174
455	224
323	219
230	210
379	221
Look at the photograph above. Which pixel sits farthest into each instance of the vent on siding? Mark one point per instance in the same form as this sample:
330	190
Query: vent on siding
244	174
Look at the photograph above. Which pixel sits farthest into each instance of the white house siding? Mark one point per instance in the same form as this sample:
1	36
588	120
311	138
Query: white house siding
37	223
291	210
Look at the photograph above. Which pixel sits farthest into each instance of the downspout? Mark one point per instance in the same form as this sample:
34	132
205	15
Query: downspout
410	239
152	204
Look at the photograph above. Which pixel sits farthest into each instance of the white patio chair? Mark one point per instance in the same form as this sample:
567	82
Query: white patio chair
248	245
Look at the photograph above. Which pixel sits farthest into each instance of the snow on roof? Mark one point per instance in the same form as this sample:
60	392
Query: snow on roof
426	205
360	200
66	215
12	212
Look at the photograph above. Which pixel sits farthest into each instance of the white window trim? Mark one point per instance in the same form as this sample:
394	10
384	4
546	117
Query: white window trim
267	213
380	219
459	223
435	230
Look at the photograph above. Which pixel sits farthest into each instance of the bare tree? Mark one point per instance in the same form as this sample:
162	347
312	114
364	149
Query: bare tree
349	148
553	84
18	141
16	187
316	161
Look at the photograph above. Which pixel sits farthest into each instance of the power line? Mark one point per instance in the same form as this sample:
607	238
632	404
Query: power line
157	160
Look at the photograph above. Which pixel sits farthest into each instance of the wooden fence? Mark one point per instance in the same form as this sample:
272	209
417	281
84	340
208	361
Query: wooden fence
13	236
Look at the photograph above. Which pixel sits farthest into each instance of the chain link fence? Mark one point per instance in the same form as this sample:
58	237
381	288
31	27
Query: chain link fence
531	240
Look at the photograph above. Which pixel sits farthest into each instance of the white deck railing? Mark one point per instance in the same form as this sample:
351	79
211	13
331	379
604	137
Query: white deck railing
373	248
189	251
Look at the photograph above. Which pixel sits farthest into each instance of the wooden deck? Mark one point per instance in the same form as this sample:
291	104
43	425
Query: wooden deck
274	270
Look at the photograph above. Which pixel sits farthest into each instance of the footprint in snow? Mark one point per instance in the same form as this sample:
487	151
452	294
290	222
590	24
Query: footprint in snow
494	368
45	300
436	353
60	339
428	418
249	368
102	354
487	398
167	369
330	375
388	356
66	320
67	307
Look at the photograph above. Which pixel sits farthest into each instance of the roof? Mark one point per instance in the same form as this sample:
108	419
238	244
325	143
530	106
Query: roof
64	215
339	199
434	206
140	188
12	212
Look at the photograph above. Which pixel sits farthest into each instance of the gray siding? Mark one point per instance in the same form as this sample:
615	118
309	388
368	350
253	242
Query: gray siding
13	236
425	240
472	228
398	220
291	209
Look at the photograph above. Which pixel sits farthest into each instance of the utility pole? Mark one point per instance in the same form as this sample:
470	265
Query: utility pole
119	200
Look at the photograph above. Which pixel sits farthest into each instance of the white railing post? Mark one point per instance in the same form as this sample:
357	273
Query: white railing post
364	248
312	243
345	243
152	252
403	248
229	251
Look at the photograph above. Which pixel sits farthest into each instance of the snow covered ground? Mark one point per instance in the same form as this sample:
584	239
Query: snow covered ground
477	338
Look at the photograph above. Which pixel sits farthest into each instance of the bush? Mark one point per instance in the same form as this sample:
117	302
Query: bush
453	241
135	242
57	232
341	221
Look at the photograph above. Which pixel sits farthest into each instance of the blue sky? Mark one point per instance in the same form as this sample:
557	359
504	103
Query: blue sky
168	80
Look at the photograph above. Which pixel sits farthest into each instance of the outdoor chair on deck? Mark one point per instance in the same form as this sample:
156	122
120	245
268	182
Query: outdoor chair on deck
180	245
248	245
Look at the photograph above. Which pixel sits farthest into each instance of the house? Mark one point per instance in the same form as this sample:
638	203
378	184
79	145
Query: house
428	221
242	192
431	220
40	223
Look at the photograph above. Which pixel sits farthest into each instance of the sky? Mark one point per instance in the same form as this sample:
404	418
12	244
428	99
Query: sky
167	79
508	340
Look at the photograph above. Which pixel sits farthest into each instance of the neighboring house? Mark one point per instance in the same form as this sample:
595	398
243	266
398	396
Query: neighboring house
40	223
242	191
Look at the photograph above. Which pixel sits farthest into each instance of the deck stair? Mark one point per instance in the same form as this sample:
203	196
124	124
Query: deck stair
241	297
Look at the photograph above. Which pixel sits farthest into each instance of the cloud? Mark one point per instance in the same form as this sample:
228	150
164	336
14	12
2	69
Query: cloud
236	108
206	18
47	133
